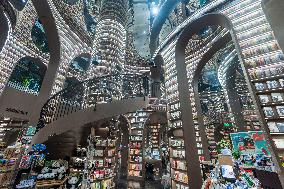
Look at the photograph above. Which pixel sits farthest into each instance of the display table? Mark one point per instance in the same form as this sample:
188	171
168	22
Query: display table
50	183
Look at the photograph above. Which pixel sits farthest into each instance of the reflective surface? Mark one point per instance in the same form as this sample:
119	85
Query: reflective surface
80	63
18	4
27	75
39	37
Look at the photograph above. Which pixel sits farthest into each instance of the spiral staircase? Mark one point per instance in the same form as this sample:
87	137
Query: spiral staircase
89	101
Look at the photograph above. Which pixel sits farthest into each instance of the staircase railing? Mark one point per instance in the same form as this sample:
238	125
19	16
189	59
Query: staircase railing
91	92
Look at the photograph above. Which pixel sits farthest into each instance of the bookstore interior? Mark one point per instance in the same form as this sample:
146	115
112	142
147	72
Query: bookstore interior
141	94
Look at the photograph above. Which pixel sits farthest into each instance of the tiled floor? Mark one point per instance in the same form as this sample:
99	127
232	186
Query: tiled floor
139	185
123	183
153	185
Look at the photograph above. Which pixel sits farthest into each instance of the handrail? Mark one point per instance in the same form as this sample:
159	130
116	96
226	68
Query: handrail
90	92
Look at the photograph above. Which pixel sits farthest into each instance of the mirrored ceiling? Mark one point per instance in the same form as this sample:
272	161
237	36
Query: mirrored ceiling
140	27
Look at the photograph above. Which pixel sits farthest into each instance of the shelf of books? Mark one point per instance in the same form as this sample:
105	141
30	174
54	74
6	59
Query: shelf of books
213	100
178	167
102	161
14	158
264	62
136	144
154	140
78	162
192	59
178	163
248	109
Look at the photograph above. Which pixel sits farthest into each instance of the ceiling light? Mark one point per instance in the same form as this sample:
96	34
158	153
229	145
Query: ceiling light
155	10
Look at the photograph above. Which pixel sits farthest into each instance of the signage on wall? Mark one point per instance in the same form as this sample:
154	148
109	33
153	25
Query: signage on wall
157	104
227	124
13	110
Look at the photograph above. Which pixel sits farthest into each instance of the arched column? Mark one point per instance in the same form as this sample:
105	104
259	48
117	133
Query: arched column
232	92
159	21
184	94
45	15
64	45
206	57
233	98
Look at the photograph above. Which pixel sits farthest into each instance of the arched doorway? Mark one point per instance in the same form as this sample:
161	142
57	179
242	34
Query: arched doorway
38	36
28	75
155	146
185	96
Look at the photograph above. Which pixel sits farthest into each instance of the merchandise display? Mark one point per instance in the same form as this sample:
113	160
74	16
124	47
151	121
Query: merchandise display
8	165
77	167
136	144
53	173
14	158
178	163
153	141
105	94
263	59
102	159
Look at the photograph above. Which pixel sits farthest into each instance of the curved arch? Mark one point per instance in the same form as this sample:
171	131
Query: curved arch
28	75
4	29
48	21
88	115
184	94
159	21
232	94
153	119
220	43
124	134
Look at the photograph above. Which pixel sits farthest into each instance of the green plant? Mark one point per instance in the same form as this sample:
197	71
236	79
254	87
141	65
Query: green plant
222	145
236	154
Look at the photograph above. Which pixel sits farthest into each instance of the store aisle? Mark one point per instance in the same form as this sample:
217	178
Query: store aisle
140	185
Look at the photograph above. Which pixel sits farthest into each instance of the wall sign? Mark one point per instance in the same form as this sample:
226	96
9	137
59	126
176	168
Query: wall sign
13	110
